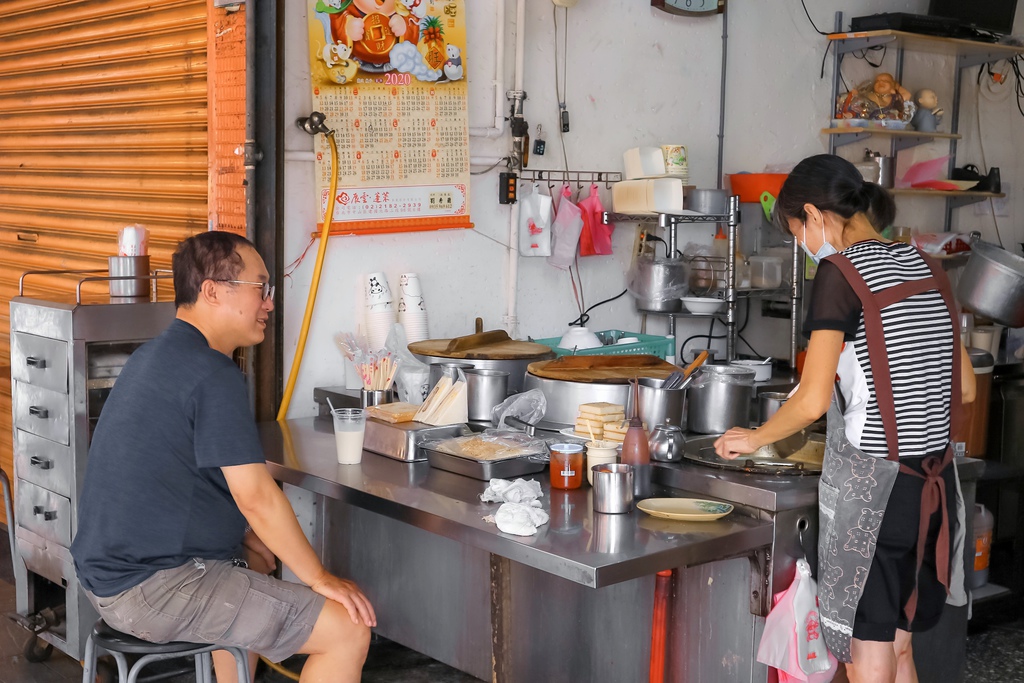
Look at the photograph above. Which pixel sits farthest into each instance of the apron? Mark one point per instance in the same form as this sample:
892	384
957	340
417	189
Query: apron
854	487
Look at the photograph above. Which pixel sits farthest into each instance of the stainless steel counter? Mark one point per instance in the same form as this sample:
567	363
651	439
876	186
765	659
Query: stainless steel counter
577	544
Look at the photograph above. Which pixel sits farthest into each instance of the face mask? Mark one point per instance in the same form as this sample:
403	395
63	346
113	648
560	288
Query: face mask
824	251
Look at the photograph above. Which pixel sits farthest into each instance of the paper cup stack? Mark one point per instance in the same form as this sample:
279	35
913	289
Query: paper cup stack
380	312
412	312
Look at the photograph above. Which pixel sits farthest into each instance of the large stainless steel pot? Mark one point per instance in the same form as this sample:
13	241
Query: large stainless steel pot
713	202
516	369
658	406
658	284
719	399
993	284
564	398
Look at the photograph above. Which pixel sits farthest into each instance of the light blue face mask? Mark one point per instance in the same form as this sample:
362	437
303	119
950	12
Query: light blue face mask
824	251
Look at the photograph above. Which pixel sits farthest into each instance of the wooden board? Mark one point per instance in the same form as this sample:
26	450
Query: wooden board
493	345
606	369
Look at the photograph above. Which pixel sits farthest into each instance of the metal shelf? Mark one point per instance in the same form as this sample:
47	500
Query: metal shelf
972	52
990	591
902	139
663	219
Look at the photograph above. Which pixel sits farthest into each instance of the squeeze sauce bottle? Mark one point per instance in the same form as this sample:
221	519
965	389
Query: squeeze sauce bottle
635	450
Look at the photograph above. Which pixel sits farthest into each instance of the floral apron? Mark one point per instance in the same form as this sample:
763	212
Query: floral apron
854	487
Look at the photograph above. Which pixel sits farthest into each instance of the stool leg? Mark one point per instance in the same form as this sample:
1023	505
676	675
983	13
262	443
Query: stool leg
89	666
122	667
242	660
144	661
204	668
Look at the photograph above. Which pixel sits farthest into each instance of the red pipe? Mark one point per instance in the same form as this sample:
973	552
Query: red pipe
659	624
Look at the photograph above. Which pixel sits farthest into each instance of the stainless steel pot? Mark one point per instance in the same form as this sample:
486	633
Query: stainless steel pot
659	283
768	403
564	398
447	368
516	369
714	202
992	284
657	406
720	399
485	389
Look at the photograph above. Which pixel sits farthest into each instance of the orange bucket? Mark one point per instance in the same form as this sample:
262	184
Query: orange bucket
749	186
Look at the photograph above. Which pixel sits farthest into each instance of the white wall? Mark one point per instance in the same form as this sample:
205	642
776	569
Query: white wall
636	76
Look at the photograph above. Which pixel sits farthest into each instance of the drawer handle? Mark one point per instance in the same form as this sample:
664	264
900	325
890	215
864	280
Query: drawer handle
39	411
41	463
47	514
34	362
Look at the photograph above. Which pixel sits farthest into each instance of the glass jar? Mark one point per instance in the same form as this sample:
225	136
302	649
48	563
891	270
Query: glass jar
566	467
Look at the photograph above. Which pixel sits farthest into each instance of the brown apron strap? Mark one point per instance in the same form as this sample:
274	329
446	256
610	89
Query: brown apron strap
956	409
877	352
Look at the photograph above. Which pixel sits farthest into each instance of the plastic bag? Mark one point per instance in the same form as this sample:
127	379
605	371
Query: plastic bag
596	237
658	279
412	377
535	223
792	641
565	231
492	444
942	244
529	406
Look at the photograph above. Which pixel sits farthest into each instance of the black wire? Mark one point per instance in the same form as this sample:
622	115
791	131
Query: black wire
748	345
584	318
813	25
823	58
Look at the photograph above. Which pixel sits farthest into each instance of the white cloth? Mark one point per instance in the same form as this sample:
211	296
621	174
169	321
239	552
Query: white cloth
505	491
520	519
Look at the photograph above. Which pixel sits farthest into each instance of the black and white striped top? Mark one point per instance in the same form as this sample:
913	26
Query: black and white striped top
919	343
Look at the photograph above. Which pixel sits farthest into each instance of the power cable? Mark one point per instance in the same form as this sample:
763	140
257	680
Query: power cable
585	318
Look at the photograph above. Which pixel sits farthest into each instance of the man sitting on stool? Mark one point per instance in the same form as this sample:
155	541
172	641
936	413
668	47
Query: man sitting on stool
175	473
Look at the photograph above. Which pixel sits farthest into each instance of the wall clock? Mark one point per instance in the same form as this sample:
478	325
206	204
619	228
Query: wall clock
690	8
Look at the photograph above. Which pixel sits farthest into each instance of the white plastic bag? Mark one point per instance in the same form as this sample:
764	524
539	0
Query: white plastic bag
529	406
412	377
792	641
565	231
535	223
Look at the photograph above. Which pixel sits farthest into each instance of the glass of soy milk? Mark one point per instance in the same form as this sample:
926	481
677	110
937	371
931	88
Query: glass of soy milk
349	425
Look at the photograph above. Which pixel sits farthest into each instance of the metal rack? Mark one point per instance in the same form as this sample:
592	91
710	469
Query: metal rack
670	222
578	177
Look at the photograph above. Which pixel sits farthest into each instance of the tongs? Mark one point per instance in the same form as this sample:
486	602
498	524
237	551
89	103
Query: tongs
516	423
679	380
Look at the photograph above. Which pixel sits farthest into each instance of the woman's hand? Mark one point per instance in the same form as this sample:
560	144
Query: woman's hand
735	442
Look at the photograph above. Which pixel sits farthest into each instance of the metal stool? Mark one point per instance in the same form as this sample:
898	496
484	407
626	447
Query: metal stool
119	644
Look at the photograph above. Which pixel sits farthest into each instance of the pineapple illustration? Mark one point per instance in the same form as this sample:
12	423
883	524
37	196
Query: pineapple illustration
433	39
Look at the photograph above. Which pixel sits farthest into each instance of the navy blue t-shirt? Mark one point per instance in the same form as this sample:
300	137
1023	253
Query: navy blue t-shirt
154	495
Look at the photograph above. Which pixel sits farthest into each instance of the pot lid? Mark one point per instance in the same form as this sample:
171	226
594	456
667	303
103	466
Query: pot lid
611	369
492	345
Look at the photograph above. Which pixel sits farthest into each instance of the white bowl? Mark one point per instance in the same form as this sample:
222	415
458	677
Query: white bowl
762	371
579	338
702	305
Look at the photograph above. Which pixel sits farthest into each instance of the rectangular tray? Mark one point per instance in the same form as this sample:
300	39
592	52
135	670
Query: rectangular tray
485	469
402	440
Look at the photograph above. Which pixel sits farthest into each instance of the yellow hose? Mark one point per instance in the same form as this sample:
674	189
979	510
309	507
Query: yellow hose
280	669
314	285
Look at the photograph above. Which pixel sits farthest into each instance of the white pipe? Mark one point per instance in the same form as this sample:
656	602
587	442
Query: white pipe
498	129
486	161
510	320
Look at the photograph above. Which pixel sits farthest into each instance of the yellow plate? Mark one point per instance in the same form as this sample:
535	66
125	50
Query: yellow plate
687	509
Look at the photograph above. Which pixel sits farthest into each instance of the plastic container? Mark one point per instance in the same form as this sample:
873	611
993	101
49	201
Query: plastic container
660	195
749	186
983	522
566	466
643	162
647	344
765	272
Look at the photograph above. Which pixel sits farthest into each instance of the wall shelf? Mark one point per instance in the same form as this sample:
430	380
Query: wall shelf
971	51
902	139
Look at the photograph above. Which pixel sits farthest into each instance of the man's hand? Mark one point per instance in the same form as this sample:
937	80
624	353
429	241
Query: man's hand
257	555
735	442
348	594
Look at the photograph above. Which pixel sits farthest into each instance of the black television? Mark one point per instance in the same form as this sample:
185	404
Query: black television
988	15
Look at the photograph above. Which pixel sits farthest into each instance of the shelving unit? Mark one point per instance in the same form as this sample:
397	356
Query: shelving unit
670	223
967	53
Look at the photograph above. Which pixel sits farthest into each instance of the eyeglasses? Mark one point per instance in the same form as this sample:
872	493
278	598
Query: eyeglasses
268	289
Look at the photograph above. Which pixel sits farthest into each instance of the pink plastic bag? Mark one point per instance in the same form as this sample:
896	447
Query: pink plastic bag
596	237
565	231
792	642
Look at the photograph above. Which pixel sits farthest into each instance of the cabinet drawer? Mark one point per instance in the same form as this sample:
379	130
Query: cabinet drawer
43	462
43	512
40	361
41	412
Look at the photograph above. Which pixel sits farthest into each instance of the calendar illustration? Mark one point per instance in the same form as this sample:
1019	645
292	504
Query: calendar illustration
390	76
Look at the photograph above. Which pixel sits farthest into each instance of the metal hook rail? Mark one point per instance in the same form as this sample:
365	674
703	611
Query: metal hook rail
578	177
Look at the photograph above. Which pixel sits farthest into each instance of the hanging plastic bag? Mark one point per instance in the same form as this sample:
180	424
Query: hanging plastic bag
596	237
412	376
565	231
792	642
535	223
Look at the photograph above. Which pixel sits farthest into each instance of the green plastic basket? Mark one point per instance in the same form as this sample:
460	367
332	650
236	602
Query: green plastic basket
649	344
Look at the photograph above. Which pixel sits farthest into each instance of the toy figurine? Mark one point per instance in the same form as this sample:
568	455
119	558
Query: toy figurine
928	115
880	99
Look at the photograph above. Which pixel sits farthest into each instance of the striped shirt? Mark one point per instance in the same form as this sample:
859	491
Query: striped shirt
919	345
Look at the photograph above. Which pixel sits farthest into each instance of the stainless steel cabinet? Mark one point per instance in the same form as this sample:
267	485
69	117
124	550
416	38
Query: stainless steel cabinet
65	357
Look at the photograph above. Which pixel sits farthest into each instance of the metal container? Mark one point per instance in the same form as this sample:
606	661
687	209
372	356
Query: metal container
401	440
709	201
375	397
564	398
485	469
657	405
992	283
720	400
659	283
613	488
515	368
486	389
768	403
447	368
886	166
666	444
135	267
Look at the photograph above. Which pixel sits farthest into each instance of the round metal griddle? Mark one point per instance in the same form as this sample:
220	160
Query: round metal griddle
763	461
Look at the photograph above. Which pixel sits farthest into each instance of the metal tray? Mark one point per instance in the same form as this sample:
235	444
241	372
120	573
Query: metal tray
402	440
485	469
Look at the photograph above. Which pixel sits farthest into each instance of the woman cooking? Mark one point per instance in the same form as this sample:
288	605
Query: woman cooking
884	360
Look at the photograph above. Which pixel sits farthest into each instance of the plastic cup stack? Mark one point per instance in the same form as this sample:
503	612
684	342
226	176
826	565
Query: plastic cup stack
380	312
412	312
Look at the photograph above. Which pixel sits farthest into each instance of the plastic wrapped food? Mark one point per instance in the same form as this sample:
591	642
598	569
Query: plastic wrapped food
491	445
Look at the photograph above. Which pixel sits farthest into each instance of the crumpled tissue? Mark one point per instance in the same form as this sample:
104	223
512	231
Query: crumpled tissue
520	513
505	491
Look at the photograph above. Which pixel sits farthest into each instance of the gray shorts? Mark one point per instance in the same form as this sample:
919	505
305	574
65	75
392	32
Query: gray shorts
213	601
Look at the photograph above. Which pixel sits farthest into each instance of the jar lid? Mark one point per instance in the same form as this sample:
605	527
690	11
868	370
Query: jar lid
566	447
981	359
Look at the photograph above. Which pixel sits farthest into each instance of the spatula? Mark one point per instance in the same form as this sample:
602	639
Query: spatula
789	445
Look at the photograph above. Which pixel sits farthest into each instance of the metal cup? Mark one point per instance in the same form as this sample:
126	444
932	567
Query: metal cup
375	397
613	488
486	389
768	403
135	267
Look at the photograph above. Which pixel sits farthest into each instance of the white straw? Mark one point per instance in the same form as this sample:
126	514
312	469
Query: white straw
329	403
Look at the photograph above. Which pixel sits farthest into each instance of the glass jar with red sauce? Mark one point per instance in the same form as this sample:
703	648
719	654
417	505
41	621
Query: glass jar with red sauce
566	466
